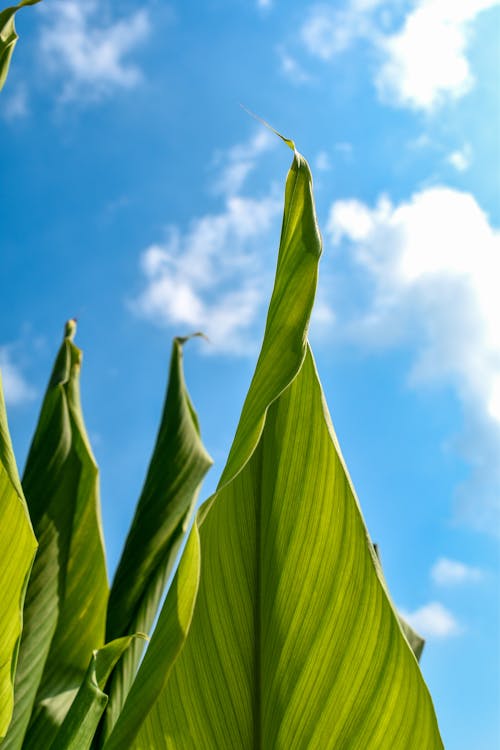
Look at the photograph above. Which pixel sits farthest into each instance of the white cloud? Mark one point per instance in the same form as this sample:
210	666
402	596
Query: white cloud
421	64
426	60
15	105
433	621
87	53
238	162
322	162
327	31
291	68
432	266
212	276
16	388
446	572
461	159
264	3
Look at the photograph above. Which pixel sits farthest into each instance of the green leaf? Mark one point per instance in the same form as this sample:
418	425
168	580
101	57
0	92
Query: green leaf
294	642
415	640
64	616
159	528
17	550
166	643
9	37
78	728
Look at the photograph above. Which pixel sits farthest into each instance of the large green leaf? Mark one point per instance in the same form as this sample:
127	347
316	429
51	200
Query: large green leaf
294	642
9	37
17	550
161	522
66	600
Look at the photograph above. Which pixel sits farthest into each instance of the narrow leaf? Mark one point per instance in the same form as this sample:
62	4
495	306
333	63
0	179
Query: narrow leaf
166	643
67	593
17	550
294	642
161	522
9	37
78	728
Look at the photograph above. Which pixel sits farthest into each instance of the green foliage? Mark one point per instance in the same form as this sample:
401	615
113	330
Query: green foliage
277	630
17	550
9	37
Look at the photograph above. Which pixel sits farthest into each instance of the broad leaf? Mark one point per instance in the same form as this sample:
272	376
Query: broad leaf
78	728
166	643
17	550
161	522
67	594
9	37
294	642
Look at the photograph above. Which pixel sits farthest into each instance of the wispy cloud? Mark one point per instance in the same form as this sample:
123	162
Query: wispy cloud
322	161
446	572
433	620
461	158
87	54
291	68
329	31
420	64
14	105
210	276
432	265
17	389
238	162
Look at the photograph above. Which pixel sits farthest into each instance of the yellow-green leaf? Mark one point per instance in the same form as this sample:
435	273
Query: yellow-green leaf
78	728
9	37
161	522
294	642
167	641
17	550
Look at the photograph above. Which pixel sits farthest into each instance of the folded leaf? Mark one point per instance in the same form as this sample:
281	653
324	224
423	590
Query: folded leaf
294	642
166	643
78	728
9	37
17	550
159	528
65	608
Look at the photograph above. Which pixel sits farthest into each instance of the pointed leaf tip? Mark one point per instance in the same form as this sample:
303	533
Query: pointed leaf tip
288	141
181	340
70	329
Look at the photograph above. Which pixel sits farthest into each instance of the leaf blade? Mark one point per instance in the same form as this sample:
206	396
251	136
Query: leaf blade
78	728
17	550
67	594
294	642
159	528
167	641
9	37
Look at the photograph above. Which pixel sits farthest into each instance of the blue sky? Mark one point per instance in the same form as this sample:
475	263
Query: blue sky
138	196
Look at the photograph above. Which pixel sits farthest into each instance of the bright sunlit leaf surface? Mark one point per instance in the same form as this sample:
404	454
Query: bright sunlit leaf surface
9	37
17	549
294	642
